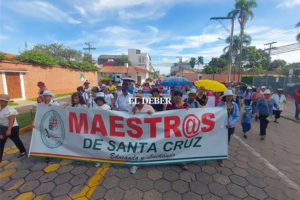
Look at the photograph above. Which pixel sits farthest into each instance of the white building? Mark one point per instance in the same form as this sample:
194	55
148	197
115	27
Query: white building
139	59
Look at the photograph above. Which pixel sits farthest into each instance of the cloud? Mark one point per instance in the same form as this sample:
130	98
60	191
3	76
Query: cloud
3	37
289	3
41	9
8	28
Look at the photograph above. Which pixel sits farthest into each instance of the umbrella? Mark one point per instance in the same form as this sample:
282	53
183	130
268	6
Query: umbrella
211	85
128	79
175	82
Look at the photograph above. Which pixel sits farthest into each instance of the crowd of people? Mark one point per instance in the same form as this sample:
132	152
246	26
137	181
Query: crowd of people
261	104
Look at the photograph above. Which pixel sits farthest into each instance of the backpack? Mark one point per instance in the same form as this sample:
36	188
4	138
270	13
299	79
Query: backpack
195	103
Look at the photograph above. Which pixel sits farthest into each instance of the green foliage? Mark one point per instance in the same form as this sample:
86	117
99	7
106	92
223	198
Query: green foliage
12	104
56	96
192	62
252	57
36	57
276	64
2	56
87	57
24	119
282	70
208	69
200	60
121	61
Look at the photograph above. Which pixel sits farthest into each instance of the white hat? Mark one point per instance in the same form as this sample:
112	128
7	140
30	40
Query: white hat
103	85
228	93
100	94
263	87
249	88
140	88
47	92
267	92
120	85
192	91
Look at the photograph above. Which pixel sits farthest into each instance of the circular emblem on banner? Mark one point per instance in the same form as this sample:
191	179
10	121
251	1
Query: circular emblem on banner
52	129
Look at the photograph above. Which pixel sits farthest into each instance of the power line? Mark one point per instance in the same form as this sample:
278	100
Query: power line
89	47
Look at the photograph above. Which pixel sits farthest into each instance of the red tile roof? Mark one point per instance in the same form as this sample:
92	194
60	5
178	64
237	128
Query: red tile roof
8	55
122	69
110	63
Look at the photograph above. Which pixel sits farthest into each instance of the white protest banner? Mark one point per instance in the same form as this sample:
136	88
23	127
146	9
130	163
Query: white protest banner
166	137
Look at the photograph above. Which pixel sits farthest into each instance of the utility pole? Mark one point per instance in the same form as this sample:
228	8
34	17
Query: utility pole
89	47
231	41
269	63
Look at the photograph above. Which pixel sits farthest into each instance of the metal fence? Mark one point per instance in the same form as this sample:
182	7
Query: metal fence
288	83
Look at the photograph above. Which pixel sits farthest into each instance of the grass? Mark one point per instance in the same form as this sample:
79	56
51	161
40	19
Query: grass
12	104
56	96
24	119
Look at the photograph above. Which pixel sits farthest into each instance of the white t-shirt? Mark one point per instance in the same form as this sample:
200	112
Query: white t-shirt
108	98
78	106
5	114
92	102
103	107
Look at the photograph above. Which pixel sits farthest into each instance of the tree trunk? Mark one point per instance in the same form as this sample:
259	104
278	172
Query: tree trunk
241	47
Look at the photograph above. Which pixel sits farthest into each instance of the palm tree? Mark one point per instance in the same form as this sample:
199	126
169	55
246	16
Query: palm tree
193	62
298	36
243	12
236	44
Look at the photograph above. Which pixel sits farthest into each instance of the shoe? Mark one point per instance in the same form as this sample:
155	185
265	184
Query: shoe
21	155
47	159
133	169
97	164
245	136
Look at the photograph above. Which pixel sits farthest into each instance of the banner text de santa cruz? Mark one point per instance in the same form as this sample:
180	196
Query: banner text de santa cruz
185	130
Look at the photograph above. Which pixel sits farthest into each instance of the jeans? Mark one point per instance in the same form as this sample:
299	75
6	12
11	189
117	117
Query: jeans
247	102
15	138
263	124
297	104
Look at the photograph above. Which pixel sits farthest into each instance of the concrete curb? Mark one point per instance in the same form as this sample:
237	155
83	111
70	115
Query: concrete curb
32	103
288	118
25	129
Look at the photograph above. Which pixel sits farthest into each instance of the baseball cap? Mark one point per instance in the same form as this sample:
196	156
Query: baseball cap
248	107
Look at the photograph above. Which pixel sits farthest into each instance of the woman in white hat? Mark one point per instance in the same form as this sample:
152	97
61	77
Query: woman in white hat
280	100
264	112
9	127
232	112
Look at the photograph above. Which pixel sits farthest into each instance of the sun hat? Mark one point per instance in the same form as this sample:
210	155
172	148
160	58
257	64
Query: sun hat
86	82
248	108
100	95
47	92
40	83
263	87
5	97
103	85
279	89
135	90
119	85
192	91
228	93
249	88
267	92
140	89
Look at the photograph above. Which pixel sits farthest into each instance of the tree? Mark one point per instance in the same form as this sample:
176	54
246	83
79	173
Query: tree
59	51
276	64
298	36
200	60
121	61
192	62
252	57
87	57
243	12
2	56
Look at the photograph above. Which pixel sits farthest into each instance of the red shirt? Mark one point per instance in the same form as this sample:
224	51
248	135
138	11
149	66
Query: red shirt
218	100
297	98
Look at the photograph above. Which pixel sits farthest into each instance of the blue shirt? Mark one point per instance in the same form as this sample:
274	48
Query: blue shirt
266	107
247	117
234	117
130	90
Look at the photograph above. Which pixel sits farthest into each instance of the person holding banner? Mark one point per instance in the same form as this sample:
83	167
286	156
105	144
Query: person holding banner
155	94
140	108
202	98
84	94
191	100
232	112
109	98
9	127
175	105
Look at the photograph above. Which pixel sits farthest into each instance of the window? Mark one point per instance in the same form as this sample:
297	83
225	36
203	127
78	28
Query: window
138	51
140	59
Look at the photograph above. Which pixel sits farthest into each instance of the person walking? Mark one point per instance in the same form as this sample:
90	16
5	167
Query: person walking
77	101
232	112
246	121
111	87
9	127
201	97
263	89
264	112
94	93
297	103
191	100
280	100
239	95
86	86
123	103
247	96
254	98
109	98
140	108
175	105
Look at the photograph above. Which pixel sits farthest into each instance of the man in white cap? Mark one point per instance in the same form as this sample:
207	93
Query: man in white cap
191	100
263	89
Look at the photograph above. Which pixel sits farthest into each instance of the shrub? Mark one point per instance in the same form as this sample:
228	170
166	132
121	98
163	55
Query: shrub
36	57
2	56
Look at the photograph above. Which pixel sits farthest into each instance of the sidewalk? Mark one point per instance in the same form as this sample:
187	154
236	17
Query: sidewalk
289	110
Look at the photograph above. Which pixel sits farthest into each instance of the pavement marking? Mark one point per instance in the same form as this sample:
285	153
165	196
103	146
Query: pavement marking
3	163
88	190
40	197
272	167
52	167
65	162
11	165
7	173
26	196
12	151
17	185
